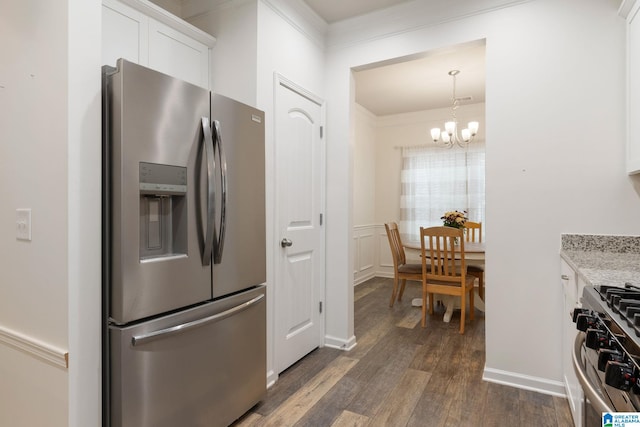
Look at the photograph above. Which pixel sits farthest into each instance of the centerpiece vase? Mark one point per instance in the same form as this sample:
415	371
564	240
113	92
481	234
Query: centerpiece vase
456	240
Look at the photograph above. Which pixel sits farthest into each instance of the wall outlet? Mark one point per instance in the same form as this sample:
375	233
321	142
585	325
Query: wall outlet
23	224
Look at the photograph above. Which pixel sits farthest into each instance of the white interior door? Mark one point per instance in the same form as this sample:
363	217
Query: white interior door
300	172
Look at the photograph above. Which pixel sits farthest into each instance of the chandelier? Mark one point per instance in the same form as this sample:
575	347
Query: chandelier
449	135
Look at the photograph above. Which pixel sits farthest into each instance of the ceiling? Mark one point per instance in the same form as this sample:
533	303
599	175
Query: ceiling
416	83
422	82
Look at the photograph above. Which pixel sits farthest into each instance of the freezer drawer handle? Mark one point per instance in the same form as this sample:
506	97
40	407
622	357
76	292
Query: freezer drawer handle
208	238
145	338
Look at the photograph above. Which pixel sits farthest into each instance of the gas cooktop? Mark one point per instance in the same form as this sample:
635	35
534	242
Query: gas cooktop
610	320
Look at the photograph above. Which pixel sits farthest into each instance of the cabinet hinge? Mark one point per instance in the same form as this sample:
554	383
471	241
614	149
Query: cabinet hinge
321	131
320	307
320	219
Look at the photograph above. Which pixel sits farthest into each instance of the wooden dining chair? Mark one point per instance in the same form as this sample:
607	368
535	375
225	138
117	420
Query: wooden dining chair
473	233
401	270
444	270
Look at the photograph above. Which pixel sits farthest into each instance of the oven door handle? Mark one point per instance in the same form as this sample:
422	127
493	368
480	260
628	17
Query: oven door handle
590	391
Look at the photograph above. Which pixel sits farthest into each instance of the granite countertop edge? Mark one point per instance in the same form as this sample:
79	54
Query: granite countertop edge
603	260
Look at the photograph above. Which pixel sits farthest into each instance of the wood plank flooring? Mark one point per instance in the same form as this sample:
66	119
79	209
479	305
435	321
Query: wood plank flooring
400	374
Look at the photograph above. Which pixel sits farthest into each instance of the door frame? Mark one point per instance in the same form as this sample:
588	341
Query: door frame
280	80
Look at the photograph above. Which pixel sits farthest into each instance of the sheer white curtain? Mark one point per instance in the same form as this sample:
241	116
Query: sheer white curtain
436	180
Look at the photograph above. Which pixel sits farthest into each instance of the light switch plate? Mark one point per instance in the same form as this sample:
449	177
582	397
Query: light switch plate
23	224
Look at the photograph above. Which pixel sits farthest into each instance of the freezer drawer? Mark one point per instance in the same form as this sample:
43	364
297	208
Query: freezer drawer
205	366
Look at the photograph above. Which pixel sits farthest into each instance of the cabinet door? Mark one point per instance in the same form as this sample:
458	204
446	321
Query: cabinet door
131	34
124	34
571	296
173	53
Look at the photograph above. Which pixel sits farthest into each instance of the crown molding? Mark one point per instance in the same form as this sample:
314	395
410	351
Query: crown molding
295	12
301	17
398	19
625	8
177	23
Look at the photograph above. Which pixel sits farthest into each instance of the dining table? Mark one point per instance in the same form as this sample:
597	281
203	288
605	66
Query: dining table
473	251
474	254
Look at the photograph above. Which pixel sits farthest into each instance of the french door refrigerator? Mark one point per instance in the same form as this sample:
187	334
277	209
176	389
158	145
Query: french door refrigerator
184	264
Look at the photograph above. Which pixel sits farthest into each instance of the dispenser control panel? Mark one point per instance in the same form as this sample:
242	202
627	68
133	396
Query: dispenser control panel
162	179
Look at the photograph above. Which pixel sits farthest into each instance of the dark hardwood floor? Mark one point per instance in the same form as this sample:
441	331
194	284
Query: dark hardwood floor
400	374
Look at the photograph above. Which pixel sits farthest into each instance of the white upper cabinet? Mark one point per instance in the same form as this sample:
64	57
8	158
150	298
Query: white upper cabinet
142	32
124	34
629	10
174	53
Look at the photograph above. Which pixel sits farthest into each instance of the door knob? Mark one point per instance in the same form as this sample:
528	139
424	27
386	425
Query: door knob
286	243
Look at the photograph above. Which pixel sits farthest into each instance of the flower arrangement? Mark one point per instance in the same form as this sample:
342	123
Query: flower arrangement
454	219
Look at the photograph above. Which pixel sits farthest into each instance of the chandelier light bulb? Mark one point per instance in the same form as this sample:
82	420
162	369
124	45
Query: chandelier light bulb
449	136
450	127
435	134
473	128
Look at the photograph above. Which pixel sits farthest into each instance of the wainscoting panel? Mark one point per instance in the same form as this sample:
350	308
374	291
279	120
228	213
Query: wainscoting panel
364	257
372	257
366	252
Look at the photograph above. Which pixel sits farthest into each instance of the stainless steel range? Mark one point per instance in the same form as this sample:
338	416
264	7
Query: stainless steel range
606	354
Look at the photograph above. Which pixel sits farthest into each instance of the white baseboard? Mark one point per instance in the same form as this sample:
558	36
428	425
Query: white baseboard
526	382
340	344
362	279
272	377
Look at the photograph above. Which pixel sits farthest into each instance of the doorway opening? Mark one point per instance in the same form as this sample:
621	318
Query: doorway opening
397	102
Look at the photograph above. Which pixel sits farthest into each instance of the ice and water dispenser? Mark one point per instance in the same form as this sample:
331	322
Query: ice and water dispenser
163	212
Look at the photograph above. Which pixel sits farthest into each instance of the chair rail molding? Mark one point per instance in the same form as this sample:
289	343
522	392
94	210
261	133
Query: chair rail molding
34	347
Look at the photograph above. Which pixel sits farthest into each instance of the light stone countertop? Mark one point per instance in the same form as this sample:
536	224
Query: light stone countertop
603	260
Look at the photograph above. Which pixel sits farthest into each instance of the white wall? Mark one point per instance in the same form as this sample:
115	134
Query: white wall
33	174
50	133
365	234
364	168
555	159
234	57
84	212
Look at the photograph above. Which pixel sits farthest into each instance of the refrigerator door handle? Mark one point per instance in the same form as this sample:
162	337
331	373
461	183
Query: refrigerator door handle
217	144
211	164
162	333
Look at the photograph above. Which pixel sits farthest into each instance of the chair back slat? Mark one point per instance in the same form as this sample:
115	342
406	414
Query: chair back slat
395	243
442	255
473	231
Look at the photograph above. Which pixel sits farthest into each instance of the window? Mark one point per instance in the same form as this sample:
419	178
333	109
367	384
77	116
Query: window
436	180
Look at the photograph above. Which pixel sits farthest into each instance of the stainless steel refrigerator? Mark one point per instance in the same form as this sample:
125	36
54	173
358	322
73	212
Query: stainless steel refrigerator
184	265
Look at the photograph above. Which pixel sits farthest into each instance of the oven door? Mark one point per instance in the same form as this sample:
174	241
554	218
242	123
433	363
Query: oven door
595	400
